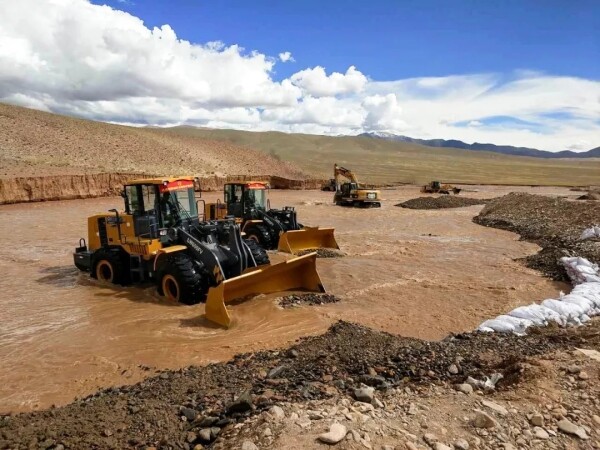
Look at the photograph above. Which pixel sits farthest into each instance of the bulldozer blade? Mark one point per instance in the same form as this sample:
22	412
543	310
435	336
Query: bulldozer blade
296	273
307	239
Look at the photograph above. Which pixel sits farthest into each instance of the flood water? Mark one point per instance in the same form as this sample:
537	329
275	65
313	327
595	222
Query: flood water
416	273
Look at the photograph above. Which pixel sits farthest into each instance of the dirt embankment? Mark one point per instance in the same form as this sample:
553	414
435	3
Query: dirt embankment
443	202
553	223
66	187
195	405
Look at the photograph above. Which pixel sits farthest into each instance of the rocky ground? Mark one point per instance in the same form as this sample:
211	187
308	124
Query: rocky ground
290	301
442	202
554	223
323	252
353	385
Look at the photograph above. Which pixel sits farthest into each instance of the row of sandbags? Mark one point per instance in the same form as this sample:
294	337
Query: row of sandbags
590	233
572	309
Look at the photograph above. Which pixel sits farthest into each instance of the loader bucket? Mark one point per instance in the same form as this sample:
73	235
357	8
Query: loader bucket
297	273
307	239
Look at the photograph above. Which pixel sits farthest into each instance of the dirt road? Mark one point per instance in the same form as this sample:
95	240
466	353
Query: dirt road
410	272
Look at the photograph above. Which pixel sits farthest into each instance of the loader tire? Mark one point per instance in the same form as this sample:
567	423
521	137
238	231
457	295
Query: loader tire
260	255
260	234
109	265
181	281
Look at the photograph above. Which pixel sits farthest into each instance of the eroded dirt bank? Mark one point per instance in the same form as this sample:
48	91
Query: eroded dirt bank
414	273
65	187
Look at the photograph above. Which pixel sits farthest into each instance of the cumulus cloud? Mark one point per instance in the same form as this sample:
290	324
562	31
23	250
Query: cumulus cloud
74	51
286	57
92	61
317	83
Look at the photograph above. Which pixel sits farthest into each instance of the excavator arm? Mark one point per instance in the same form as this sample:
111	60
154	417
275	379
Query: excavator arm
346	173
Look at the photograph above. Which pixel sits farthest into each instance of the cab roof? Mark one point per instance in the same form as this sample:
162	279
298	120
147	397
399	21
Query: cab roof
245	183
159	180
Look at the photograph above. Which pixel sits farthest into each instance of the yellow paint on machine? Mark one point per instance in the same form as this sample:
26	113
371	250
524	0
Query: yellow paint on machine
295	274
307	239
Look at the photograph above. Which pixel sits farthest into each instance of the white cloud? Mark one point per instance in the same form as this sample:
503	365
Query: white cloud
286	57
317	83
73	57
73	51
383	113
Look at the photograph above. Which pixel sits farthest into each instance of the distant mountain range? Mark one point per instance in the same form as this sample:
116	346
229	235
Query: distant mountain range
505	149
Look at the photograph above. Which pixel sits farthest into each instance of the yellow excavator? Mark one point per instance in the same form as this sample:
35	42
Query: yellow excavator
159	238
247	202
350	193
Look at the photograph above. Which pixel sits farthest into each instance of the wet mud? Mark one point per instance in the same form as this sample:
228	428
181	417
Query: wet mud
415	273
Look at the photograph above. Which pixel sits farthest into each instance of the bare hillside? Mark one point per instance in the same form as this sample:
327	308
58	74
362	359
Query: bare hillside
381	161
34	143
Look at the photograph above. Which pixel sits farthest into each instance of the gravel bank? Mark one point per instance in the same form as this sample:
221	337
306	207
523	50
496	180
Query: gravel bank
553	223
307	299
441	202
193	406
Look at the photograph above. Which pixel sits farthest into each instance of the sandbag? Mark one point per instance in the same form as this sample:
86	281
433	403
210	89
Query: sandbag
538	314
590	233
569	311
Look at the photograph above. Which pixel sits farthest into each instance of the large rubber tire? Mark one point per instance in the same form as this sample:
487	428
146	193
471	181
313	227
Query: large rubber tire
110	266
260	233
181	281
260	254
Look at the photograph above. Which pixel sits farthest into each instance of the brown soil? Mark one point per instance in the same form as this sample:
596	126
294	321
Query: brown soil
166	410
405	272
554	223
34	143
67	187
443	202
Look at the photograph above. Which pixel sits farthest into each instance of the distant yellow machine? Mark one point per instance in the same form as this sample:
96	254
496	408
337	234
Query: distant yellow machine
159	238
350	193
247	202
435	187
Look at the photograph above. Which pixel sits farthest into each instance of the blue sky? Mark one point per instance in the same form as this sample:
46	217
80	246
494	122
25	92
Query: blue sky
524	73
390	40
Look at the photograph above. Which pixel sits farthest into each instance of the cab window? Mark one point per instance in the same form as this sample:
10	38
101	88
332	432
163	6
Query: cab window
133	199
149	196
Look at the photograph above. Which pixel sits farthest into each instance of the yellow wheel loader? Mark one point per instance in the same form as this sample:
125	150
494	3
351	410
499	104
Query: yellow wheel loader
159	238
435	187
351	193
272	228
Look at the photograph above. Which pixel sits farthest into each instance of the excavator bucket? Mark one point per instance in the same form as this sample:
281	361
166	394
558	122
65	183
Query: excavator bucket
295	274
307	239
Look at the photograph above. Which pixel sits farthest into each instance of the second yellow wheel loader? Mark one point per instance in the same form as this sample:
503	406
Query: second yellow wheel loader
159	238
272	228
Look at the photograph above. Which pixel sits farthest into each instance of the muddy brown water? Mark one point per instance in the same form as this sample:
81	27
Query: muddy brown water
416	273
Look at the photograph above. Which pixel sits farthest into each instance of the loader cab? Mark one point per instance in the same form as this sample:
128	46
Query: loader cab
160	204
243	200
